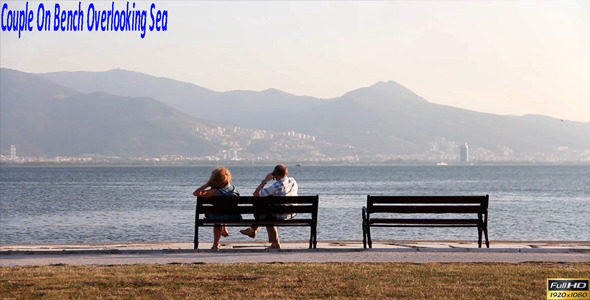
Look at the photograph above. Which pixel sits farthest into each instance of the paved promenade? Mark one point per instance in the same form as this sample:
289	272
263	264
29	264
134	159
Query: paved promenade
328	251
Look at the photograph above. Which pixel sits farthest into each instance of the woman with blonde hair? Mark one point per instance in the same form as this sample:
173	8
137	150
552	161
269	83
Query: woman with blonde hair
219	184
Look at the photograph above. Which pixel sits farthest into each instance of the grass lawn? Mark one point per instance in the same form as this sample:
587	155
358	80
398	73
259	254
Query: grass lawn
287	281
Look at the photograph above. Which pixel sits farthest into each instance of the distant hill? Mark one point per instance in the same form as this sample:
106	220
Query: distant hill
45	119
385	118
387	115
235	108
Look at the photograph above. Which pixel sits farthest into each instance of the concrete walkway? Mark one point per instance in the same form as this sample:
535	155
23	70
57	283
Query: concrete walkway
328	251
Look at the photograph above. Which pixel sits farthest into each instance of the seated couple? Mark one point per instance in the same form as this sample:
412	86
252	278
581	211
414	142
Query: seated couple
220	184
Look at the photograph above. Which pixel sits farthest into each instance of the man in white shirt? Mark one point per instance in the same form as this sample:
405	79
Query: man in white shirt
284	186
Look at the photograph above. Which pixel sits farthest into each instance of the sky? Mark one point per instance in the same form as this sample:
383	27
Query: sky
501	57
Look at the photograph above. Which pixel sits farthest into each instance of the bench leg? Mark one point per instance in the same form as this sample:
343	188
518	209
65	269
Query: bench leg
485	231
311	237
196	241
366	230
315	237
479	230
364	236
369	241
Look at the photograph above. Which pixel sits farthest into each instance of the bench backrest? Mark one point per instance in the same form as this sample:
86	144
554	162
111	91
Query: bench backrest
258	205
427	204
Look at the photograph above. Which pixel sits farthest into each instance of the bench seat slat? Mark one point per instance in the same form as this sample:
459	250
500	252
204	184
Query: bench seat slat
255	209
425	209
425	221
249	200
257	222
427	199
418	225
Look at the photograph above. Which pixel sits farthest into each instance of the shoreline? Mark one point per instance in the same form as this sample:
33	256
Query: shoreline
294	164
294	252
294	245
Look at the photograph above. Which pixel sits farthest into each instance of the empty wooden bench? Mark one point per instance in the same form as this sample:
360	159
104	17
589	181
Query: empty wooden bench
306	208
394	211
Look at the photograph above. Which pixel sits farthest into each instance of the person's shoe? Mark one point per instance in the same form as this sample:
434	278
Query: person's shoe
274	246
215	248
249	232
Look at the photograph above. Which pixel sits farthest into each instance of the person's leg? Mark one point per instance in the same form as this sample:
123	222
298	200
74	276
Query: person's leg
216	237
224	231
251	232
273	237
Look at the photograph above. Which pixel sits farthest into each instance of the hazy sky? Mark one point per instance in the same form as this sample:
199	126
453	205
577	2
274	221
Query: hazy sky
505	57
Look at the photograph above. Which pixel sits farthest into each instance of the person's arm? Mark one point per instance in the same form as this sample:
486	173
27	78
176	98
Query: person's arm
268	178
203	192
208	193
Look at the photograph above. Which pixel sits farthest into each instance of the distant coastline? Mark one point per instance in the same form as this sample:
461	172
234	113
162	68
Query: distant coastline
130	163
119	115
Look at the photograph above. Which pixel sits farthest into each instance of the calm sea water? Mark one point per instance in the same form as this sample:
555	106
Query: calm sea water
147	204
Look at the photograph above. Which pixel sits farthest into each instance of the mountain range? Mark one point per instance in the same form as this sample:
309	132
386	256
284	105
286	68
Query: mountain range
45	119
129	114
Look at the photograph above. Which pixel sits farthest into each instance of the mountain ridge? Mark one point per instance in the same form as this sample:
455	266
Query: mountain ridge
66	122
382	120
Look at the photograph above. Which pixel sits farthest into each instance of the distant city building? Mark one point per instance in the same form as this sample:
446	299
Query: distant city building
12	152
464	154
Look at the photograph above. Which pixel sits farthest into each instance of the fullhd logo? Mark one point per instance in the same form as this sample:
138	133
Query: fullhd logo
567	288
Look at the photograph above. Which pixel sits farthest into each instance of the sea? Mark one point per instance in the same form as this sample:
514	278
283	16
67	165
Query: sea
53	205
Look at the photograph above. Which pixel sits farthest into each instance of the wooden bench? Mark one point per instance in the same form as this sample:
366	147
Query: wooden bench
390	211
306	208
